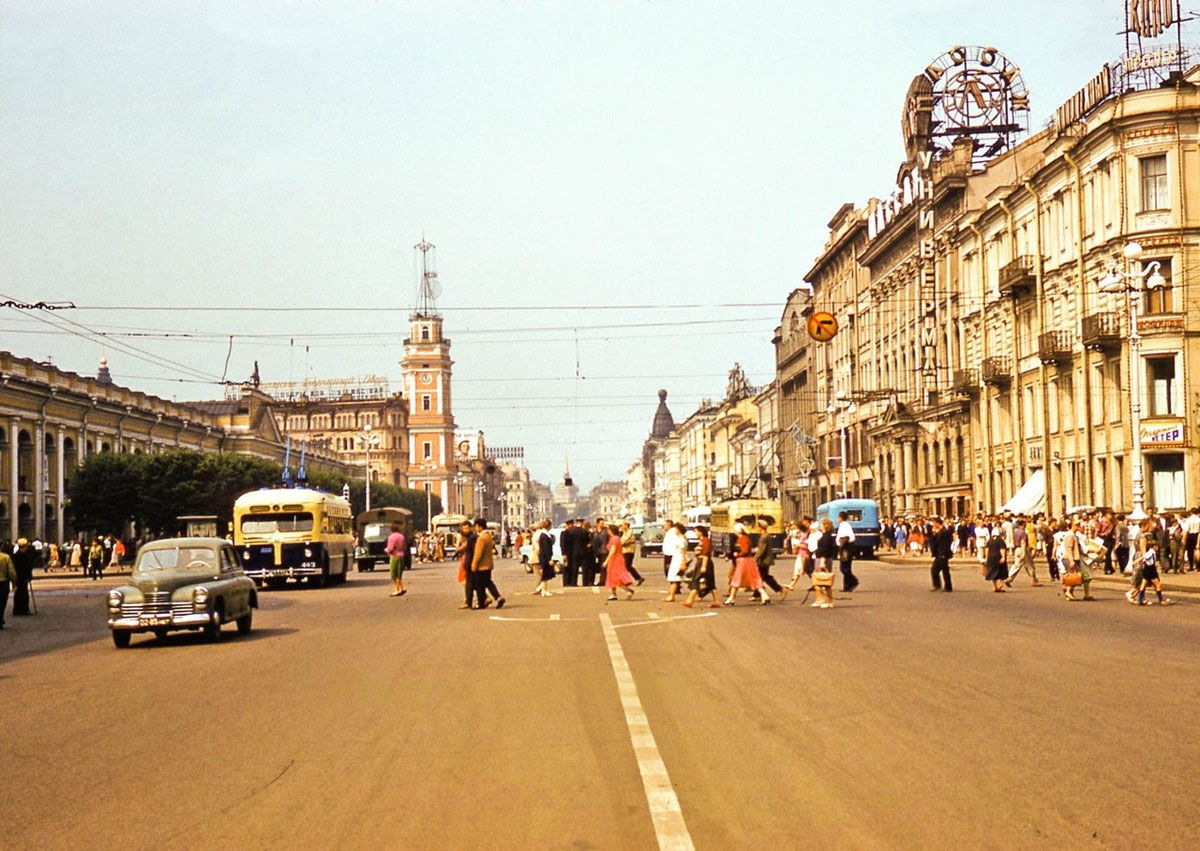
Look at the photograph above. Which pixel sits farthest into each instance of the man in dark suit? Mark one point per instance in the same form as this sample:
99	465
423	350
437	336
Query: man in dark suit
941	548
599	548
587	559
570	553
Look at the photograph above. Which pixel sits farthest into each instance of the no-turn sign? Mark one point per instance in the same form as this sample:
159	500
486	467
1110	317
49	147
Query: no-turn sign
822	326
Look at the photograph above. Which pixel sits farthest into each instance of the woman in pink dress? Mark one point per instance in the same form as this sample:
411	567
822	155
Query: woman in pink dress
745	570
616	574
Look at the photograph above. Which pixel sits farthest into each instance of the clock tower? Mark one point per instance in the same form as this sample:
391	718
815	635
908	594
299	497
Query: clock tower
426	366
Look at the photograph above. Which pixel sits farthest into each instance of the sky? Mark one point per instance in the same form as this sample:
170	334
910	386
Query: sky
622	192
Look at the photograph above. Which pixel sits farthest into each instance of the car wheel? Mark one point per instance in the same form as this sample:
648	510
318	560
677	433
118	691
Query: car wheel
160	634
244	622
121	638
212	629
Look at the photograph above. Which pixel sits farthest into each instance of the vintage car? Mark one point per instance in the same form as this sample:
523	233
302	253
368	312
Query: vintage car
182	583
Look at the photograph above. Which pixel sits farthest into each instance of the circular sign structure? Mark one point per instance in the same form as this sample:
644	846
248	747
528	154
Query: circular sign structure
822	326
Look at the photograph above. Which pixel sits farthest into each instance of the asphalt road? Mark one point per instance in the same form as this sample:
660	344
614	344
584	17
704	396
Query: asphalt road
349	719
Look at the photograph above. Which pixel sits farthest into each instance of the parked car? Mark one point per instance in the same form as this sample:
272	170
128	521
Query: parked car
650	541
528	556
182	583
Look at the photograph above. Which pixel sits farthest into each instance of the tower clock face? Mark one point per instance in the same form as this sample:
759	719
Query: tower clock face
426	378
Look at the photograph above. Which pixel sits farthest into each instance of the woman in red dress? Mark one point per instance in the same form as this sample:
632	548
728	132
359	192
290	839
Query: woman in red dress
745	570
616	574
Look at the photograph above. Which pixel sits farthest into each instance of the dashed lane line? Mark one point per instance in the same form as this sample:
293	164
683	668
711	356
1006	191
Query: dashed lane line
669	826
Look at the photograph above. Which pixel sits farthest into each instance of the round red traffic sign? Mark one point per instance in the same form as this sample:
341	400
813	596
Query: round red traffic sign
822	326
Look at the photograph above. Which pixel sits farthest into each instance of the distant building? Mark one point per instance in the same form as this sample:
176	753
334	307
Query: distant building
607	500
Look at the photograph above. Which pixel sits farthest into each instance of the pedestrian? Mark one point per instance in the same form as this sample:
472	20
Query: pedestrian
466	554
574	545
628	550
8	576
53	562
1023	537
803	566
745	570
901	539
96	559
76	558
482	564
764	557
23	559
543	548
1191	529
845	542
941	547
1150	576
823	546
616	575
675	552
1049	541
996	561
1175	536
704	573
1106	531
398	555
1120	544
600	549
1074	574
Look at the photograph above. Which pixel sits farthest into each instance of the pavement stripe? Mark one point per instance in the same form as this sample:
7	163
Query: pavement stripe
669	826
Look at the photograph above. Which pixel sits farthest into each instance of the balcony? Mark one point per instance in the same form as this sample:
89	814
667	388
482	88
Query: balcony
1054	347
1018	275
1101	331
997	371
965	382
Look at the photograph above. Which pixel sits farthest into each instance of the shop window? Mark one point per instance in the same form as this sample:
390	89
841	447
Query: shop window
1166	481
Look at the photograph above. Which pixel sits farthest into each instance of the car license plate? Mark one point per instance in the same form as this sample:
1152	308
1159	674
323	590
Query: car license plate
154	620
278	572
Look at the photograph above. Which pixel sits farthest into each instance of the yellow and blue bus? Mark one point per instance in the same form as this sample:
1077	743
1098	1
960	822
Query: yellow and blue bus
726	515
283	534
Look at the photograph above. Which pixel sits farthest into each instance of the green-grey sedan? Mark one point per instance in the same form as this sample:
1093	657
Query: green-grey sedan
182	583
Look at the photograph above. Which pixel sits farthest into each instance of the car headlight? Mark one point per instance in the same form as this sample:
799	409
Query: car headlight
308	552
199	596
115	598
246	555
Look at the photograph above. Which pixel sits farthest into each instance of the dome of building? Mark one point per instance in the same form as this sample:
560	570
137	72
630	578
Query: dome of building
664	423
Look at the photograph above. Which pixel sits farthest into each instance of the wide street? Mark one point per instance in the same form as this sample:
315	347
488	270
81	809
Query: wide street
349	719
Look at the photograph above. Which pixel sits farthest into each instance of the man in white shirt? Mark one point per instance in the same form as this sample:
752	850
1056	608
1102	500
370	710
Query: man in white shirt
845	541
1191	529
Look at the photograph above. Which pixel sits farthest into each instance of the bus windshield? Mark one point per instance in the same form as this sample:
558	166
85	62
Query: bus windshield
264	524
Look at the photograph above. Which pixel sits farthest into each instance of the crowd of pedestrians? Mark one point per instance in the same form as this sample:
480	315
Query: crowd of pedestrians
1073	548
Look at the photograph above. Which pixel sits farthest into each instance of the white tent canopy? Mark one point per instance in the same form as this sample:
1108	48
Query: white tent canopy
1031	498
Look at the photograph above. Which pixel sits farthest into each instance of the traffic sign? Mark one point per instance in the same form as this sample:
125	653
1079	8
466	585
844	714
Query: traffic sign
822	326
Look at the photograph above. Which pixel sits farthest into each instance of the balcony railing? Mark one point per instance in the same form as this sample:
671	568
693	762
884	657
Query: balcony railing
1054	347
965	382
1018	275
997	371
1101	331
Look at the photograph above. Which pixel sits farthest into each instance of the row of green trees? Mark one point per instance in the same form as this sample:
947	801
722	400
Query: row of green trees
111	489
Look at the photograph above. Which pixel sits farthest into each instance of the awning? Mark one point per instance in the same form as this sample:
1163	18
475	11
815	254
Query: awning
1031	498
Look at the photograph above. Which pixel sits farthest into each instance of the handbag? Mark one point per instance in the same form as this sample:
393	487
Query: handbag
822	578
1072	580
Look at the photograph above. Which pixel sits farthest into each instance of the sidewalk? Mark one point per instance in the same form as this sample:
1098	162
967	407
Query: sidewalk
1186	584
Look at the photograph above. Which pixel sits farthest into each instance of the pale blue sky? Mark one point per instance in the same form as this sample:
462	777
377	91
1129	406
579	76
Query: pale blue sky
654	153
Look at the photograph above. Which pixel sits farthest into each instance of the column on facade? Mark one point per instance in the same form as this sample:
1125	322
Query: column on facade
39	481
59	485
910	473
13	460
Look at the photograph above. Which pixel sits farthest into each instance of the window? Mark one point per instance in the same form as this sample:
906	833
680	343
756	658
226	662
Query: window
425	333
427	450
1161	372
1100	393
1115	406
426	402
1154	183
1158	300
1166	481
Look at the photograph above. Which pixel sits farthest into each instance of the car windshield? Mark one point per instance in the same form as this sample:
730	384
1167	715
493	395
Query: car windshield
264	524
375	530
176	558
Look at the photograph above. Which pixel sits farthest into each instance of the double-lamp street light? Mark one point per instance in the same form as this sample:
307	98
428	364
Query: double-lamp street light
368	440
1134	284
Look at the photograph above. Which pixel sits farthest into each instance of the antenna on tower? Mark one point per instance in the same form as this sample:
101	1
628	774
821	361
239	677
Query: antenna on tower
430	287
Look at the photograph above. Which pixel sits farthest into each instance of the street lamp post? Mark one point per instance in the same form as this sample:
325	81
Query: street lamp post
1134	284
368	440
842	406
429	467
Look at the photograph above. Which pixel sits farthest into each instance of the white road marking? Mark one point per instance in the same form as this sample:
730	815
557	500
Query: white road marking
652	615
555	617
595	589
665	620
669	826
